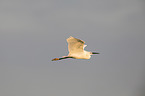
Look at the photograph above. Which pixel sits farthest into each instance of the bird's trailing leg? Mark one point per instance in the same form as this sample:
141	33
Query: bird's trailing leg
95	53
64	57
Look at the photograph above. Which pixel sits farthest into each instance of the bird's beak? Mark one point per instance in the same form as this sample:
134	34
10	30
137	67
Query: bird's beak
95	53
55	59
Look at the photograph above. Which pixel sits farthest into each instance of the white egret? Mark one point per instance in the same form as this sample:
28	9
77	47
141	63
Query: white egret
76	50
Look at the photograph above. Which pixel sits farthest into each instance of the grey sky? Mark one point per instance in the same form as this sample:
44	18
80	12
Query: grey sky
34	32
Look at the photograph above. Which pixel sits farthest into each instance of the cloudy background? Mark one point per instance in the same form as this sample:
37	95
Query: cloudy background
34	32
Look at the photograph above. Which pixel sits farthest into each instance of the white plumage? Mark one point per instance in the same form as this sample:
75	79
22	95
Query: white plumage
76	50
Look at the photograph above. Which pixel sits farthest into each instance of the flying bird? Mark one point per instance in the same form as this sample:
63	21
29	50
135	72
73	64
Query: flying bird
76	50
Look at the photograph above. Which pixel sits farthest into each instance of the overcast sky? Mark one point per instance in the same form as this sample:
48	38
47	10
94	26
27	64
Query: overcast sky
32	33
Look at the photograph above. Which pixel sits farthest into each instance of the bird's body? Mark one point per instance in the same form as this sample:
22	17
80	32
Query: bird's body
76	50
80	55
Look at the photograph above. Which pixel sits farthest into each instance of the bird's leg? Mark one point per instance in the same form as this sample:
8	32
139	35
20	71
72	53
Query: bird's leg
95	53
64	57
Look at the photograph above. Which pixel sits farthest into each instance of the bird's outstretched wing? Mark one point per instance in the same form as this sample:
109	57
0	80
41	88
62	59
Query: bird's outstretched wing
75	45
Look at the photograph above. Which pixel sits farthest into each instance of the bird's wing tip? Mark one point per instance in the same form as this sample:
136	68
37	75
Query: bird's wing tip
79	40
69	38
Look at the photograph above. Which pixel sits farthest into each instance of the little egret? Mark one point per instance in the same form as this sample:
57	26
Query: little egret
76	50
